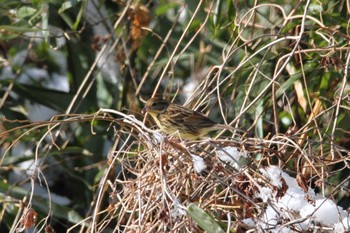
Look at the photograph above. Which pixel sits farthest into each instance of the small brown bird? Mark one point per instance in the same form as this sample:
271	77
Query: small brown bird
180	121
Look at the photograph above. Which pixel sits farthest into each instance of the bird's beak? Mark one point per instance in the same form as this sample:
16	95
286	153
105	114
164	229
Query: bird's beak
144	110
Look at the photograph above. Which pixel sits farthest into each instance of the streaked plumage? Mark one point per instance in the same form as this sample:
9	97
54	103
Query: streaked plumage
179	121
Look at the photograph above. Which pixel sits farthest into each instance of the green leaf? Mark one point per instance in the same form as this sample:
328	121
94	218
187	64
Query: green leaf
163	9
54	99
15	29
80	15
45	22
203	219
324	85
41	203
11	190
25	11
66	5
217	12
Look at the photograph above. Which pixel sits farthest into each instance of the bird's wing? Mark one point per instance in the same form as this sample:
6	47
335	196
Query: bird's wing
190	117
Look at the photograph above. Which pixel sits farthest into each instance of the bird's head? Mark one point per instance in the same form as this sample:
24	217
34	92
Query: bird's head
155	105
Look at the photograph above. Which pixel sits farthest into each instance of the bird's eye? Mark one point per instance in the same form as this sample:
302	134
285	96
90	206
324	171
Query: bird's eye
154	104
